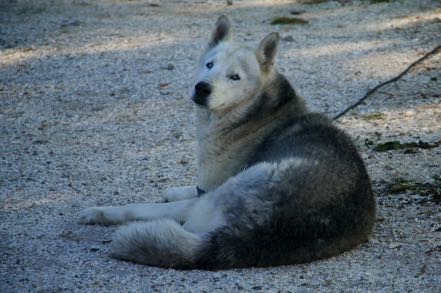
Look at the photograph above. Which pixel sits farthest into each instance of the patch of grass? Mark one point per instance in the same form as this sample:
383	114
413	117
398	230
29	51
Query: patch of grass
368	143
424	189
380	1
82	3
396	145
313	1
288	20
373	116
402	185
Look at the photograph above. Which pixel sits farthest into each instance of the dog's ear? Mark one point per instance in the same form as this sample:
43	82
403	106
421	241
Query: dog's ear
267	51
222	32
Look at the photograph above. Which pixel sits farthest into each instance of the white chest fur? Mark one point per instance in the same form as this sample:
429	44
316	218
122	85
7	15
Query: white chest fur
217	162
223	153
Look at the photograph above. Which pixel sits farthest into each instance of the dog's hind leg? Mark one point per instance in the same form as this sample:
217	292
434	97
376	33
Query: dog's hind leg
166	243
137	212
180	193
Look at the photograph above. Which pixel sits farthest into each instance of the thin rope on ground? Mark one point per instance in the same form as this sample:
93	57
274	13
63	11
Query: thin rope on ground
371	91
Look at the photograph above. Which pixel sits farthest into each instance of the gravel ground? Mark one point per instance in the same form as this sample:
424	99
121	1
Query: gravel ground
95	110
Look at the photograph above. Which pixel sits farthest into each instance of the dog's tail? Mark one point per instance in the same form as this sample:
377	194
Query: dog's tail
162	243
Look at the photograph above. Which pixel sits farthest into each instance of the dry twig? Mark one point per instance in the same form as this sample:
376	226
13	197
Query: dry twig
371	91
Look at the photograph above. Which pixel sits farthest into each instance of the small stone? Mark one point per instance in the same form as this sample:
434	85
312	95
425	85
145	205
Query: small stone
164	84
75	23
410	113
394	245
288	39
170	66
66	234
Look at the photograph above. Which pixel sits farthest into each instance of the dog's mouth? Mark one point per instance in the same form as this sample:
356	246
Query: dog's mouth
198	100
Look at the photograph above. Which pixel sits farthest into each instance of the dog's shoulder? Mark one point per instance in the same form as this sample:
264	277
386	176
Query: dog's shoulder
307	135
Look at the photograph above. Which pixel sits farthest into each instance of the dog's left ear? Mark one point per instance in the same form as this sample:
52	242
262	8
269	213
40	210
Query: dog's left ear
222	31
267	51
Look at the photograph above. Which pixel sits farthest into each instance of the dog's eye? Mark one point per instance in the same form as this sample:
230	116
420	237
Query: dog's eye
209	65
235	77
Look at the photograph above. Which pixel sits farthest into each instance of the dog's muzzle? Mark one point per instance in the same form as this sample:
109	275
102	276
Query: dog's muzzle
201	92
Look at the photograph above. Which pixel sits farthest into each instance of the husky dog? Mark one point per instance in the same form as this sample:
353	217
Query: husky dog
276	185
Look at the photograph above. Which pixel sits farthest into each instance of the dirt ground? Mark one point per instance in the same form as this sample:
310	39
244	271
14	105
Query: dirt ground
95	110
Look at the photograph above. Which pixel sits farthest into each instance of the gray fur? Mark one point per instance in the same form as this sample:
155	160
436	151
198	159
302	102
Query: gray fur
156	243
282	185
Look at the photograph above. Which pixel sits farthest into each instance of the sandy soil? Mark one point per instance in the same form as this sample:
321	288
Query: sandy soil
95	110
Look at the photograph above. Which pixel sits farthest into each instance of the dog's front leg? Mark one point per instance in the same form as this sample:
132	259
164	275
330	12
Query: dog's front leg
180	193
137	212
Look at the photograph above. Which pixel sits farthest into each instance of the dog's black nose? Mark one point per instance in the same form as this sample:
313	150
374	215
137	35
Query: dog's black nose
201	91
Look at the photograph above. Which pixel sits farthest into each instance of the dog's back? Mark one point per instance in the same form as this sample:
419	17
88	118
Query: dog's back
313	201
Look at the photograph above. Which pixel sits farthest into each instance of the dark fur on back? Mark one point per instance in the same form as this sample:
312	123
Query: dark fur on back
311	211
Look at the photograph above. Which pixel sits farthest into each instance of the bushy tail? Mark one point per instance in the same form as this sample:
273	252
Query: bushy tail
162	243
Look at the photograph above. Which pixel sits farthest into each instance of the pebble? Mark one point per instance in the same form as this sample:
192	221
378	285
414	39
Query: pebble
394	245
288	39
410	113
170	66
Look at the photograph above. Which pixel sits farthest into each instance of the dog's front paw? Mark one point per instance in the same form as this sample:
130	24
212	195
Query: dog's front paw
101	216
179	193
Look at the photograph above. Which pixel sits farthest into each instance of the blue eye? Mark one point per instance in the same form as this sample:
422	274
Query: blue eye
209	65
235	77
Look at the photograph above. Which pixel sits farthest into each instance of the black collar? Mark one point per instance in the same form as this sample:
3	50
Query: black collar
200	191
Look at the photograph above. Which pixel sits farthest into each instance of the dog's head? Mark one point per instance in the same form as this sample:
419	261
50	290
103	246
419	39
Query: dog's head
230	74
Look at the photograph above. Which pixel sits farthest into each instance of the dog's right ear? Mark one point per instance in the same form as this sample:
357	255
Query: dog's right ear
221	33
